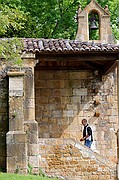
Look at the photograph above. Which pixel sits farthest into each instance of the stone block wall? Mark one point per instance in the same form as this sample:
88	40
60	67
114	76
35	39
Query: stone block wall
65	97
69	160
62	99
4	121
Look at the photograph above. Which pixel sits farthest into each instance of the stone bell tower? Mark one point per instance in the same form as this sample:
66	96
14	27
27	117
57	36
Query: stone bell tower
95	21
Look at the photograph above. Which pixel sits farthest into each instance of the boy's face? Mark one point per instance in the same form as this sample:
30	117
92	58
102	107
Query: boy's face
84	122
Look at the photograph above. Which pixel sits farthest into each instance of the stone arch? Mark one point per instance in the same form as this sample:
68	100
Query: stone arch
94	34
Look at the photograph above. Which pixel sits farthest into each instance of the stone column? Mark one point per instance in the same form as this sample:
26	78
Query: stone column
118	118
31	126
16	137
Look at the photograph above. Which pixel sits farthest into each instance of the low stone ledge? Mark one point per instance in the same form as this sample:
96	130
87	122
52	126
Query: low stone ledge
15	74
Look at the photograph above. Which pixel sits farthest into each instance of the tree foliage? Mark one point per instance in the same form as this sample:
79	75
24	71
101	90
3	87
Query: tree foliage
10	49
12	20
47	18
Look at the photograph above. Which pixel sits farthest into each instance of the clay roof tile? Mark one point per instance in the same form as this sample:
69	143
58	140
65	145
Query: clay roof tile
67	46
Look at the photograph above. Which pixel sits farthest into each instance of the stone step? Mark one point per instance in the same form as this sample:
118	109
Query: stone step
70	160
88	153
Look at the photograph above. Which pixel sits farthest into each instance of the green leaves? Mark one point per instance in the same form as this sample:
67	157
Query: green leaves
11	21
48	18
10	49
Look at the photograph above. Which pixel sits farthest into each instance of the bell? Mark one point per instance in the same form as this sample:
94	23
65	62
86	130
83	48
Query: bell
93	25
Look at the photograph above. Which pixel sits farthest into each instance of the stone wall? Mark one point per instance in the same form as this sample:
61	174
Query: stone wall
69	160
4	121
64	98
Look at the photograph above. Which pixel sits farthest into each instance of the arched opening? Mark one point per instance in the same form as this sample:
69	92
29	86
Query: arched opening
94	25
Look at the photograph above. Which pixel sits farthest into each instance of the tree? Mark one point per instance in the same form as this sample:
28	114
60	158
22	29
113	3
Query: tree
10	49
12	21
54	18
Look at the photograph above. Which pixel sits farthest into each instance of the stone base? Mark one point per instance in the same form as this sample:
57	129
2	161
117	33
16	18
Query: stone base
16	152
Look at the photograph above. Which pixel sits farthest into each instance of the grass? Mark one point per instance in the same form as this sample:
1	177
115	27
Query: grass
5	176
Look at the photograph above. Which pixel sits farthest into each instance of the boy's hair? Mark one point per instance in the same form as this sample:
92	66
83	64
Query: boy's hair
85	120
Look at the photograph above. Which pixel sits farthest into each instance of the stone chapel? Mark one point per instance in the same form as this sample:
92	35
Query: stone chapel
43	103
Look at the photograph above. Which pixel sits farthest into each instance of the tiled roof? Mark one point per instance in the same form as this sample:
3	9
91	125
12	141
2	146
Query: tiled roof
67	46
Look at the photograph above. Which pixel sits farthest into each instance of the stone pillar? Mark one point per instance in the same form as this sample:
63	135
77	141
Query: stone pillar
31	126
118	118
16	137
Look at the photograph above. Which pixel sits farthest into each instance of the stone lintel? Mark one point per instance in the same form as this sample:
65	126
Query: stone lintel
15	73
28	55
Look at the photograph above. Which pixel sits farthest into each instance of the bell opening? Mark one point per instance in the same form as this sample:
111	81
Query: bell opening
93	19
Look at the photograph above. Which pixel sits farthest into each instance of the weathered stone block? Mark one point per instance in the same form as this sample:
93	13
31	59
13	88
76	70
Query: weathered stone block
20	138
103	177
15	86
11	164
33	149
16	124
22	161
29	91
33	160
44	92
56	92
57	114
41	84
68	113
32	138
16	150
80	92
29	114
14	167
29	103
53	84
61	75
28	81
16	103
42	99
66	92
31	126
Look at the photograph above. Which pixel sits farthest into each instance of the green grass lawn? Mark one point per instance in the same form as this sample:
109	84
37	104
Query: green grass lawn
5	176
